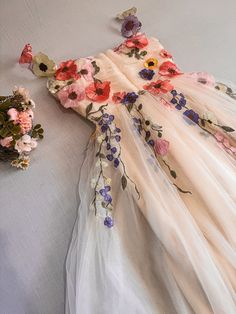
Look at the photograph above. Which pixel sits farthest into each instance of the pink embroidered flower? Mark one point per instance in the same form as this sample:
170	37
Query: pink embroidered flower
26	55
85	68
98	91
139	41
25	120
169	69
165	54
224	143
203	78
118	97
161	147
67	70
71	95
13	114
159	87
6	142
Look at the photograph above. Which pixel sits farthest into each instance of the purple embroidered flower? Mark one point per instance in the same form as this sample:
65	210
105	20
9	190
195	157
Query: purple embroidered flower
130	26
192	116
104	193
114	150
130	98
147	74
178	99
110	157
117	138
108	222
116	162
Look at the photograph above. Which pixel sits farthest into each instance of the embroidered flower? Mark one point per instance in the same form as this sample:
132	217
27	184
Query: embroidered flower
123	15
169	69
118	97
71	95
108	222
130	26
85	68
25	144
130	98
139	41
224	143
165	54
210	116
147	74
151	63
26	55
98	91
67	70
191	115
42	65
161	147
159	87
178	99
55	85
203	78
6	142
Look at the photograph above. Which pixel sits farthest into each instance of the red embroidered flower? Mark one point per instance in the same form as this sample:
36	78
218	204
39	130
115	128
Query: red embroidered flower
67	70
139	41
159	87
169	69
165	54
26	55
118	97
98	91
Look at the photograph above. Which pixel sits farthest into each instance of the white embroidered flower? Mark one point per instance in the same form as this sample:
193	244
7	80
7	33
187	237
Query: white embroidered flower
93	183
22	162
25	144
108	181
208	115
54	85
100	138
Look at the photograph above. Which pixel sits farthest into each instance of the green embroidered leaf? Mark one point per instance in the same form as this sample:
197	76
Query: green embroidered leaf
130	107
143	53
227	128
140	107
96	68
173	174
141	92
102	156
89	108
123	182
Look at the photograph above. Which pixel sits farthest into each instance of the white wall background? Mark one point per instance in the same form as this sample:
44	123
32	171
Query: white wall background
38	207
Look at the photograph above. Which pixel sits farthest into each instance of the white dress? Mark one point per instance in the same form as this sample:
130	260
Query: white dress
156	226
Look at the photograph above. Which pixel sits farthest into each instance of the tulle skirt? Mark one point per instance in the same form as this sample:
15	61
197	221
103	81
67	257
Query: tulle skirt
168	252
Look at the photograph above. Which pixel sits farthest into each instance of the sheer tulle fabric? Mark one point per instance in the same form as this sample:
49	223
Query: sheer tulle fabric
169	252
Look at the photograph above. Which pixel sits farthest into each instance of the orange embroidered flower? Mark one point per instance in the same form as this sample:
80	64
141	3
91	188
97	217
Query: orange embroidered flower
26	55
98	91
67	70
118	97
165	54
139	41
169	69
159	87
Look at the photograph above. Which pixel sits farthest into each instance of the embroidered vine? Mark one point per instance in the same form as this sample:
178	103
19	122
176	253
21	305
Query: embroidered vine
109	151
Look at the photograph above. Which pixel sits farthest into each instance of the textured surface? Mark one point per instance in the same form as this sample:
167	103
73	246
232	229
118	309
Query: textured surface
38	207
